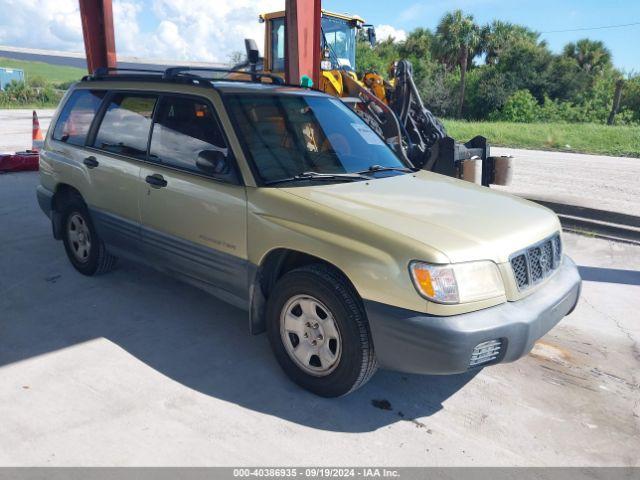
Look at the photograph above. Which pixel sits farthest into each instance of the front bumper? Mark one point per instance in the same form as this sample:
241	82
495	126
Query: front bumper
414	342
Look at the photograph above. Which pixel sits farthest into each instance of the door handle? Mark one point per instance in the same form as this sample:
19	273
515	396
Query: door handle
156	180
91	162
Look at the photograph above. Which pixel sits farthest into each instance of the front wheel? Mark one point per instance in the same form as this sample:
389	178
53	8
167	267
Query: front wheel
319	331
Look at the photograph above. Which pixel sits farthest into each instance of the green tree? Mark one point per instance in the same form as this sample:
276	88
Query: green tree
631	97
418	44
417	49
566	79
457	36
590	55
527	66
574	86
498	36
520	107
487	91
439	90
377	58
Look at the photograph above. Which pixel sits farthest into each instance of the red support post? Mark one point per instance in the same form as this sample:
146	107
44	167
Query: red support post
97	29
302	29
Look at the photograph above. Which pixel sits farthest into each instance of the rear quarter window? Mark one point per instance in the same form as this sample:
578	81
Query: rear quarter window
76	116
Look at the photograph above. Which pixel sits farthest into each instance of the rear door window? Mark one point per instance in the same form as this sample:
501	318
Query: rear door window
76	116
126	123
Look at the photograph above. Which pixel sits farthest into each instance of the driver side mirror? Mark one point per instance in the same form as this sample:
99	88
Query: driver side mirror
371	35
215	164
251	47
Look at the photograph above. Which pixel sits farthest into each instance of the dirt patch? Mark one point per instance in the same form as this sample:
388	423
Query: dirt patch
552	353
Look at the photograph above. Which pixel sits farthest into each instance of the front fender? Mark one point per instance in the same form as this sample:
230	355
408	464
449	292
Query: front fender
374	259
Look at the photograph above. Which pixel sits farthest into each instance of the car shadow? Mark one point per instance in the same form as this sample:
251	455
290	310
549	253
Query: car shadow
198	341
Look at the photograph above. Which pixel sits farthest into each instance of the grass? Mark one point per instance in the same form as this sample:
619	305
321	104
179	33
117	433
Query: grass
570	137
53	74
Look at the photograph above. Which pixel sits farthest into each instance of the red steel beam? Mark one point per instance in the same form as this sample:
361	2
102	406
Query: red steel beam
302	30
97	29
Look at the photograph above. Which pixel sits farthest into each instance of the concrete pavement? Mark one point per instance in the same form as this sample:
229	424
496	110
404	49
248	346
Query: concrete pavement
135	368
15	128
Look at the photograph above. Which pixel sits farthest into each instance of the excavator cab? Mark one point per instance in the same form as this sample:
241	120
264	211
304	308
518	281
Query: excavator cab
338	42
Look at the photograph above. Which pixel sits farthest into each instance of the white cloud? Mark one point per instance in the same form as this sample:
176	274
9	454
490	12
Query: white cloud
47	24
196	30
125	23
383	32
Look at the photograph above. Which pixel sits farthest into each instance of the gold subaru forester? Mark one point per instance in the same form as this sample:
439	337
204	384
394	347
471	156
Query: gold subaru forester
282	201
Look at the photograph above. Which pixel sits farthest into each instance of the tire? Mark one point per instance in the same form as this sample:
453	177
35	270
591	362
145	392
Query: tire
94	259
348	350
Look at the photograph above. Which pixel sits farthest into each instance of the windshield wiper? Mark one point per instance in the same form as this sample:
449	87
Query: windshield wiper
380	168
347	177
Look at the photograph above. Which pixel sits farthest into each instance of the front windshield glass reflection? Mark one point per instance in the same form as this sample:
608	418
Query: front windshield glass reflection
287	135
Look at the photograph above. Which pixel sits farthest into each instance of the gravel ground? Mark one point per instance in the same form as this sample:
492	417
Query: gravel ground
594	181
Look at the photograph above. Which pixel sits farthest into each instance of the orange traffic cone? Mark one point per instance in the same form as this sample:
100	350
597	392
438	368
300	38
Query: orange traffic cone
37	140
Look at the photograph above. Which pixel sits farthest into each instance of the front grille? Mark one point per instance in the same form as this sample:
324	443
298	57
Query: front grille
485	352
520	271
537	262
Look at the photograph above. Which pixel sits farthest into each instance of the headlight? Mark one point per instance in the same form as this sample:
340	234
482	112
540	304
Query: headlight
457	282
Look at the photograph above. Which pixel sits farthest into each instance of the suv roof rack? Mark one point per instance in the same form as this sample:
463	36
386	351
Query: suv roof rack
177	74
112	72
174	72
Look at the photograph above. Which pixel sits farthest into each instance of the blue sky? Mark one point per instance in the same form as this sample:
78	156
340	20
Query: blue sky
211	30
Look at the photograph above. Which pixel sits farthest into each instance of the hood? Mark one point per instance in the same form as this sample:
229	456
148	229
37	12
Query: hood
463	221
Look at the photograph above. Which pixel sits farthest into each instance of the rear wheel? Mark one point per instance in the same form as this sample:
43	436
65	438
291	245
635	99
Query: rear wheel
86	251
319	332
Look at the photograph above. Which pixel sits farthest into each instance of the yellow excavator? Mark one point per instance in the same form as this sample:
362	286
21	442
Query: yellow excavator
393	107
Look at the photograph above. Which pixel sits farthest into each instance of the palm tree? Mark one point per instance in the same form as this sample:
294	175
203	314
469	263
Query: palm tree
591	55
418	44
498	36
457	35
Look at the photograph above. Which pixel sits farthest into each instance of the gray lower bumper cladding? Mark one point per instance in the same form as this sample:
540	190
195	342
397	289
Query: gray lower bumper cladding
414	342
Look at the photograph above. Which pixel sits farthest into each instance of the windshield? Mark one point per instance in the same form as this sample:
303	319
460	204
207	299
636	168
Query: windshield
289	135
340	38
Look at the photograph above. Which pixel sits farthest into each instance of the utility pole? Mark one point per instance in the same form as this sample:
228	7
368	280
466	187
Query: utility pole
616	102
97	29
303	32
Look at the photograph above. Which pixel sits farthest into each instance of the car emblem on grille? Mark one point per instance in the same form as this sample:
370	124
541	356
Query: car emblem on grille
544	258
536	262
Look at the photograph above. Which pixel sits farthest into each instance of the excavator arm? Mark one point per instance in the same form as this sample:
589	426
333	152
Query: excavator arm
426	142
376	113
411	129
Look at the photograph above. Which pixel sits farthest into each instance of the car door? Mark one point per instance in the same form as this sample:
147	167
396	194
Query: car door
116	146
194	207
107	184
